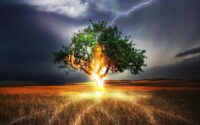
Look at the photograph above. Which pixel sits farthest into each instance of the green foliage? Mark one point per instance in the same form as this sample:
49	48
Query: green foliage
120	52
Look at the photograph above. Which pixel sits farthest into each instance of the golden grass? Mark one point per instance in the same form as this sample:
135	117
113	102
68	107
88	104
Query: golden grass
80	105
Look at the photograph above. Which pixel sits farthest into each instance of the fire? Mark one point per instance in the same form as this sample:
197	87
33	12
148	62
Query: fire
95	67
99	82
98	66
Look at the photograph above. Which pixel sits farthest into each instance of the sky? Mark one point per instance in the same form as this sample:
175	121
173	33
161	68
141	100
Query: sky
31	30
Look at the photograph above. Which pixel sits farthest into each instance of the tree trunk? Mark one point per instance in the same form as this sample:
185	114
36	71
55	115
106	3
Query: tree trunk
106	72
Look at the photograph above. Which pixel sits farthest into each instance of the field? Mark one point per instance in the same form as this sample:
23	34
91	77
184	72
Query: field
143	102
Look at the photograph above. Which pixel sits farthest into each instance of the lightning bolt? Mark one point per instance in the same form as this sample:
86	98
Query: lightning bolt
133	9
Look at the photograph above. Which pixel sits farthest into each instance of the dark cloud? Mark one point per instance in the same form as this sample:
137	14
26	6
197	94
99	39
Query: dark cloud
166	21
186	69
27	46
188	52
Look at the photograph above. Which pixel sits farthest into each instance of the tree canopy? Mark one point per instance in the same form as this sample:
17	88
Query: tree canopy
101	48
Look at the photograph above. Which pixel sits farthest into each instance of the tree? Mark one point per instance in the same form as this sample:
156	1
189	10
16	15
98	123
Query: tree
98	49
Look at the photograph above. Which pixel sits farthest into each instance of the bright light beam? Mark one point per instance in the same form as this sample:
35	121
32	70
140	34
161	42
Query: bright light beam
133	9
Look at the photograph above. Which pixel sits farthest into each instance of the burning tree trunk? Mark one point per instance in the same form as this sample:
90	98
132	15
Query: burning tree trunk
94	67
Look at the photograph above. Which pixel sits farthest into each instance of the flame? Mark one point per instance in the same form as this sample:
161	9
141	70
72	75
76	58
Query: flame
96	67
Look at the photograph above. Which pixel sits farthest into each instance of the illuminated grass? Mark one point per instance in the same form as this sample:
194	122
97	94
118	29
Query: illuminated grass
109	108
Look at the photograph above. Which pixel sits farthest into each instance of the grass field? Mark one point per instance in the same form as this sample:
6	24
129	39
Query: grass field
144	102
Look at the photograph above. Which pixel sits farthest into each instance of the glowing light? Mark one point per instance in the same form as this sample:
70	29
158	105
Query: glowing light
99	82
96	67
98	94
99	68
134	8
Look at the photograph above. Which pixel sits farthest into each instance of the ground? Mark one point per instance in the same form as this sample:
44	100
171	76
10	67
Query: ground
143	102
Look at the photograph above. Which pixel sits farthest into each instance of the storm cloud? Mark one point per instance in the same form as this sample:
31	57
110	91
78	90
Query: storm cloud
189	52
